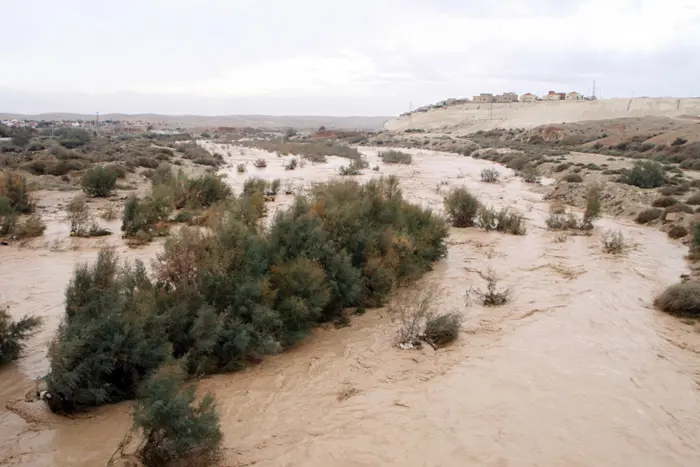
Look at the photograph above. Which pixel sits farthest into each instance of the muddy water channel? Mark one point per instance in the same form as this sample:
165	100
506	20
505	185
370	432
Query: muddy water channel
578	370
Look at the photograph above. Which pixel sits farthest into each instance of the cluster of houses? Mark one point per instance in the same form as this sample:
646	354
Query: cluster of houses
506	98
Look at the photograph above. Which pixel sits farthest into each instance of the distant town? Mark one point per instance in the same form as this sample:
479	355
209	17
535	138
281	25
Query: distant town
506	98
108	127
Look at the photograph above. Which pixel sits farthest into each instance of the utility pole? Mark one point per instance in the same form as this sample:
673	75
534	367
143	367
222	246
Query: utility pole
410	113
594	89
97	122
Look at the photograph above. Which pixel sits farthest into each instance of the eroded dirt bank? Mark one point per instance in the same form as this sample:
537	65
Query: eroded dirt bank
578	370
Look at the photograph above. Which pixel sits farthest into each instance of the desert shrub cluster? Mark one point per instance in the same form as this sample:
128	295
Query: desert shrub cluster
199	155
465	210
145	217
220	298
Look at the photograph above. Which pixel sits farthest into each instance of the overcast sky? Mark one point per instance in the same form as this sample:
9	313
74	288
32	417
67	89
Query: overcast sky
325	57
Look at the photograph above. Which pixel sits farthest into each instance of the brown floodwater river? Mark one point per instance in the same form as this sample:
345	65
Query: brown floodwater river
578	370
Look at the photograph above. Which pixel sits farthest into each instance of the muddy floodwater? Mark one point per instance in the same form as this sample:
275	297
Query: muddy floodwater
578	370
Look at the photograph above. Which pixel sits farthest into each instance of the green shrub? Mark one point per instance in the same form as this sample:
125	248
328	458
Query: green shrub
204	191
562	167
461	207
13	334
142	214
681	299
173	428
664	202
573	178
694	200
99	181
644	174
110	338
395	157
241	168
648	215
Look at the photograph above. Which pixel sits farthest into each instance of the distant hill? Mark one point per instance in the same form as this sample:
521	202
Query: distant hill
255	121
471	117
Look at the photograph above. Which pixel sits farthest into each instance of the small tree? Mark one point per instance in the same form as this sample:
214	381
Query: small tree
592	207
99	181
173	427
78	215
13	334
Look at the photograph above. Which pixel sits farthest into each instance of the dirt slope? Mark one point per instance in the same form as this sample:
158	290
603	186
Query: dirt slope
471	117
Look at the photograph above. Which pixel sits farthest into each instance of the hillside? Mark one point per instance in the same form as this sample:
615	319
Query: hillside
255	121
471	117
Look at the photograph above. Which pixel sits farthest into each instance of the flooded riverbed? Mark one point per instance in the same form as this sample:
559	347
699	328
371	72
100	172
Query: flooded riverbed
578	370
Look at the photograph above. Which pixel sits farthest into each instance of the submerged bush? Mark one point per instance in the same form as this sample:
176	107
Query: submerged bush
613	242
490	175
13	334
99	181
443	329
681	299
593	207
503	220
461	207
173	427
